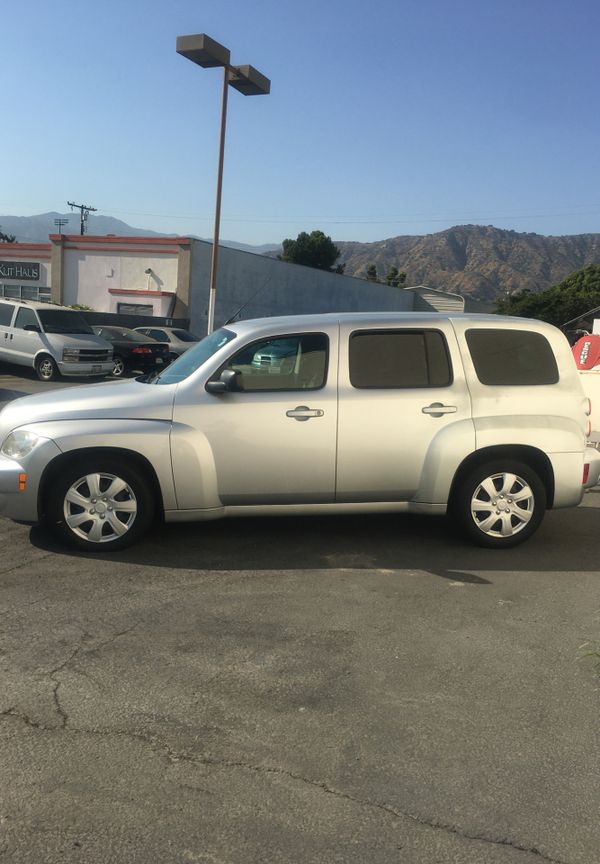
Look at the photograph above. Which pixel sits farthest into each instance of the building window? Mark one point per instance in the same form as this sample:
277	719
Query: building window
26	292
134	309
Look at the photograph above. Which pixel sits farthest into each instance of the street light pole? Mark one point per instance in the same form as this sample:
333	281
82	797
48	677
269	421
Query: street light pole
212	291
205	52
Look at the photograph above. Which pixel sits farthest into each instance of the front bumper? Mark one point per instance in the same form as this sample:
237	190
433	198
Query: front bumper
86	370
22	505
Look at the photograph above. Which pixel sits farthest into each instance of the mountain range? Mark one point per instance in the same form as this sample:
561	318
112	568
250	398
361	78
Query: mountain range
480	262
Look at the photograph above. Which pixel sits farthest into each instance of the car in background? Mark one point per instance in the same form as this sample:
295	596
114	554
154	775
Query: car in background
54	340
179	340
279	356
133	351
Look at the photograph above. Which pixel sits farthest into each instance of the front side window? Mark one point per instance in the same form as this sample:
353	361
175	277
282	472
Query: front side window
387	359
297	362
512	357
26	318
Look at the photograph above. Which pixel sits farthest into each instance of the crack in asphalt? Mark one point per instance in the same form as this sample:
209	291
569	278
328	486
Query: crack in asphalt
161	748
164	750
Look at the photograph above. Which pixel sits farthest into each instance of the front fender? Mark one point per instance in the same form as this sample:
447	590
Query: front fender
194	469
147	438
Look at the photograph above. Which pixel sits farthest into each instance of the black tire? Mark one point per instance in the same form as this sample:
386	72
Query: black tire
116	519
46	368
500	504
119	367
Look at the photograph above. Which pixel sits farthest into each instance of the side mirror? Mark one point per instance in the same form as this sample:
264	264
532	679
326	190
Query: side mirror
227	382
35	328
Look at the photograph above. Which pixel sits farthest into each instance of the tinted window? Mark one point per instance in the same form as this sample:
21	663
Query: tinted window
6	313
282	363
399	358
26	317
512	357
63	321
121	334
185	336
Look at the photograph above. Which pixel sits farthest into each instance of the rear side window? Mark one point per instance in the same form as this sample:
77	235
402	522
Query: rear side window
512	357
6	313
399	358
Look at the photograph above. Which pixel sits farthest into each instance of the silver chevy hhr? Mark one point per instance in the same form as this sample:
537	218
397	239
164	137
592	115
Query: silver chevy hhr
482	416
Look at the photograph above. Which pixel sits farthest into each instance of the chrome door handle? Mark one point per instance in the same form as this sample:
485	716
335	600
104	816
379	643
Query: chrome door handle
303	412
436	409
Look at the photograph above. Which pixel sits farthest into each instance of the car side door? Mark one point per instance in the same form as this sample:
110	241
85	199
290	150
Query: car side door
7	311
272	439
400	389
27	339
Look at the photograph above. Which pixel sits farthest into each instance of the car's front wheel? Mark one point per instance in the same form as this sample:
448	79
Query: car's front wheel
119	367
500	504
46	368
100	504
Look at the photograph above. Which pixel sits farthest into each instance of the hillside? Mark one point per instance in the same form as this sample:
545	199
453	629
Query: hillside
481	262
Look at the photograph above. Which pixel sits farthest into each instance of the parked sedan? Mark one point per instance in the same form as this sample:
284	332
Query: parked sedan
132	350
178	340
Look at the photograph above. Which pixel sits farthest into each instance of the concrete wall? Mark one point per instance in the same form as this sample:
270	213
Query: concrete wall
280	289
89	277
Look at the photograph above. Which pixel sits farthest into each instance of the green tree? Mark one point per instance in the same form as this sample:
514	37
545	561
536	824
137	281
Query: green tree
7	238
372	273
559	304
313	250
395	278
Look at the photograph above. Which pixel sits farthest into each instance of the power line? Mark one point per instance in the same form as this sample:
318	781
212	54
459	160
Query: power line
85	212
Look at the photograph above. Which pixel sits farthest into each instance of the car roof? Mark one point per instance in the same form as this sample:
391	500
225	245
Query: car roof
311	321
37	304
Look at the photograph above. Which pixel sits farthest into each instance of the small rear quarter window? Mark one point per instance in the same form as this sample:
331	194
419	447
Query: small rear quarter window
514	358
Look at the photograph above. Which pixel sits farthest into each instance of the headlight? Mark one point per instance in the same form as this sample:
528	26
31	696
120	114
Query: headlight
19	443
71	354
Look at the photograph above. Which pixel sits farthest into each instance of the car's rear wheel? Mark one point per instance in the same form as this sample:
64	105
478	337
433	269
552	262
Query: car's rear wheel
100	504
46	368
500	504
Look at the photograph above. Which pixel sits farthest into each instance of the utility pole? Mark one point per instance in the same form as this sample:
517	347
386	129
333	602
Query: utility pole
85	212
60	223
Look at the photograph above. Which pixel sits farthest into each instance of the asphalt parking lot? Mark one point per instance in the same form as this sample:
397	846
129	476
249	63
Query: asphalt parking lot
326	690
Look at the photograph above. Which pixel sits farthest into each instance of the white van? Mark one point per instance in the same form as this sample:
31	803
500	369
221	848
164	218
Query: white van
53	340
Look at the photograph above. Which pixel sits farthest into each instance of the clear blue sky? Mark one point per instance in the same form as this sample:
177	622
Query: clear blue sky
385	117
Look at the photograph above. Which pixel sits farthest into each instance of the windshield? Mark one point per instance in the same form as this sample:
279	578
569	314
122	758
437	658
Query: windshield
194	357
62	321
121	334
184	336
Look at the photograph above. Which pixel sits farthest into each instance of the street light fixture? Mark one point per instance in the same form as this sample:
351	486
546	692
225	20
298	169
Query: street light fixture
205	52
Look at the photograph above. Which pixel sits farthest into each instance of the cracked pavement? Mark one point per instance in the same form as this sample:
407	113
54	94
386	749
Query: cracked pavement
332	690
